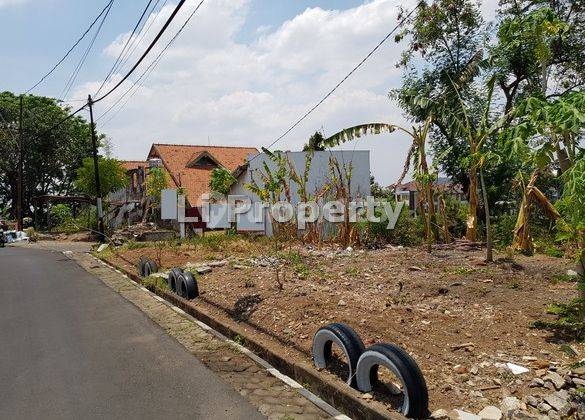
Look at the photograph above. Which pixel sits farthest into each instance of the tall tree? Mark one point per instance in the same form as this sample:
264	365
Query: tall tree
51	157
445	39
112	176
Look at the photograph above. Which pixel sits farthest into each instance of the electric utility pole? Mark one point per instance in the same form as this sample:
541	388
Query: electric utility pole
19	164
98	187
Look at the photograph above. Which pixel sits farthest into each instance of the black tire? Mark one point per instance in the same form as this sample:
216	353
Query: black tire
346	338
187	285
415	402
152	267
173	276
141	264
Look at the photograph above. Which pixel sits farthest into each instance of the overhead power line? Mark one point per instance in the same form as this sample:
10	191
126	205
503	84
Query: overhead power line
125	47
106	7
153	43
143	32
143	56
75	73
148	70
310	111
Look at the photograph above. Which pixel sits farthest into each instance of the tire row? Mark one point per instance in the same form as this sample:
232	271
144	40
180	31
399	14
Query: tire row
181	282
363	364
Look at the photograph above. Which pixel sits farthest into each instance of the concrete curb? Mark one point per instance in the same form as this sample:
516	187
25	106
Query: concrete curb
337	394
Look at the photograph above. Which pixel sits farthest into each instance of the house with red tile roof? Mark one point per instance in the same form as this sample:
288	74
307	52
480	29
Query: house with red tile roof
190	166
409	193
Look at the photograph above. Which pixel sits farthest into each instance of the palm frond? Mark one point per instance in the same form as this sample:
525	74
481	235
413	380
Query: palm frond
358	131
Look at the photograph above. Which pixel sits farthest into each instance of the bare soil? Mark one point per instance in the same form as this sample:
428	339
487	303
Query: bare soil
458	317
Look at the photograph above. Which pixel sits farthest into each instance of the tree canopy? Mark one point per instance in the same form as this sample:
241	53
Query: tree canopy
50	157
112	176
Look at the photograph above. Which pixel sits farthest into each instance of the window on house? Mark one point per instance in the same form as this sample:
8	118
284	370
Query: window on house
203	161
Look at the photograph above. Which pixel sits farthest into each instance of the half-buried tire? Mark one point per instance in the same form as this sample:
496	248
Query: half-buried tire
141	264
415	396
187	285
173	276
151	267
348	341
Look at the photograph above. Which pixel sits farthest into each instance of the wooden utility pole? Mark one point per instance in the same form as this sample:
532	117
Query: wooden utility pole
98	187
19	164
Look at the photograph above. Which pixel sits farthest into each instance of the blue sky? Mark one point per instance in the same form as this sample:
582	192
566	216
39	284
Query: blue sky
41	31
240	74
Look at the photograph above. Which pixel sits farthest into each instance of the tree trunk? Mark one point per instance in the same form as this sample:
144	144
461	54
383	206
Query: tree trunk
488	229
446	233
522	240
471	231
431	216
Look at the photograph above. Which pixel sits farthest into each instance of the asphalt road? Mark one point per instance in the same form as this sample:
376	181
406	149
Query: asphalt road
70	347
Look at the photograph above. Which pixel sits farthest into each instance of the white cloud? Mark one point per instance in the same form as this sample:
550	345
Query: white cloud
210	84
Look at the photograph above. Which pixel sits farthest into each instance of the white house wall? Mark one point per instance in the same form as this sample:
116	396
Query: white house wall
319	175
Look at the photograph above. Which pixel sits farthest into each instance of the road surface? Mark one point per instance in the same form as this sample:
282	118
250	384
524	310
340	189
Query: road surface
70	347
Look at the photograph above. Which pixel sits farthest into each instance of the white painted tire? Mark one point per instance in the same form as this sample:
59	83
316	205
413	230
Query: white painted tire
415	402
348	341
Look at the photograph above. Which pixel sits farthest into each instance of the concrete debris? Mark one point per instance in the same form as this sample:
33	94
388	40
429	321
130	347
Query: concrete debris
514	368
557	380
572	273
490	413
536	383
203	269
559	404
532	401
440	414
509	404
160	275
220	263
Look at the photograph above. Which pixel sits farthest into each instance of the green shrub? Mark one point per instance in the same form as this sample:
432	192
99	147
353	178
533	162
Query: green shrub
570	322
154	283
408	231
553	251
503	230
60	215
456	212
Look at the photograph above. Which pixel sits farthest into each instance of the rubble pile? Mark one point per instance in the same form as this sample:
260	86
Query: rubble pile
555	393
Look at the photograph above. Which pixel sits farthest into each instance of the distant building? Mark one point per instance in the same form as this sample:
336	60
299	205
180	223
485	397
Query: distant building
319	176
190	166
409	193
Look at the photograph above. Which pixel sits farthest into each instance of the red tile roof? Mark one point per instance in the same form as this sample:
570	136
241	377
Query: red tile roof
195	180
133	164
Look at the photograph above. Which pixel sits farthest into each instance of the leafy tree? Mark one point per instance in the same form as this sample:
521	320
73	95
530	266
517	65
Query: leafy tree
221	181
572	208
541	42
60	214
376	189
112	176
445	43
156	181
50	157
316	143
524	52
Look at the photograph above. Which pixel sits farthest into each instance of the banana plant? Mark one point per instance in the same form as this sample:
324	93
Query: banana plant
477	135
417	151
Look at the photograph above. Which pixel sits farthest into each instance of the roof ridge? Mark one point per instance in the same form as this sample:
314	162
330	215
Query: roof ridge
203	145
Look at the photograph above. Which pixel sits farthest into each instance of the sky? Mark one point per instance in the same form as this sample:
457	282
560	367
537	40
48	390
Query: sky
240	74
